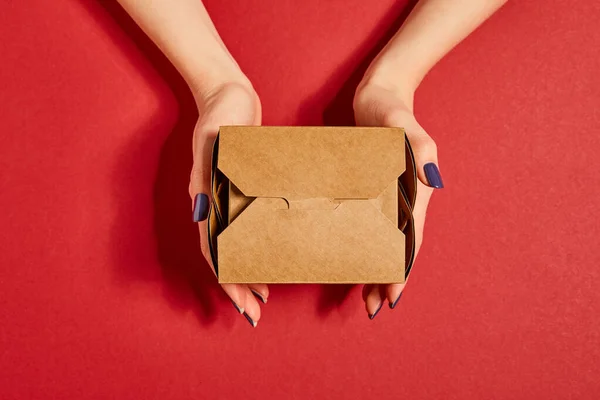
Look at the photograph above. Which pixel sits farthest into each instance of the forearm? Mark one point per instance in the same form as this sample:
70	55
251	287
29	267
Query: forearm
432	29
184	32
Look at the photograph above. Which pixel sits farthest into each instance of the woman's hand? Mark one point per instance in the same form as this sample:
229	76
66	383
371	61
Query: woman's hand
184	32
228	104
375	105
385	97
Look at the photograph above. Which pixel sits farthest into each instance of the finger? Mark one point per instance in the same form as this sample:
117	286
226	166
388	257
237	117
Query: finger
394	292
200	176
374	301
426	158
244	302
260	290
199	186
237	295
252	308
420	212
365	291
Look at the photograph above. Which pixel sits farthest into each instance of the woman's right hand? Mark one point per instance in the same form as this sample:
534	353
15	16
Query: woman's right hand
227	104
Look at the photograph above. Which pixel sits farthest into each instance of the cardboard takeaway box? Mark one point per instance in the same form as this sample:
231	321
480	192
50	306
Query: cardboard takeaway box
312	205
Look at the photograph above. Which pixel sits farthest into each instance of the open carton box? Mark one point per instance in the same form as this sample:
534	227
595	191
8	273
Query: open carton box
312	205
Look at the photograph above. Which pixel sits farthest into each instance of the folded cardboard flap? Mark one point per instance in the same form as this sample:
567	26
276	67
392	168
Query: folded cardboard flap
283	245
310	205
300	163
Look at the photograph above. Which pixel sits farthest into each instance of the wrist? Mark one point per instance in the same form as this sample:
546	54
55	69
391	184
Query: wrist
205	82
392	75
394	83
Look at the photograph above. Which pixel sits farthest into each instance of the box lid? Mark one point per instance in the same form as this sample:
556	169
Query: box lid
310	162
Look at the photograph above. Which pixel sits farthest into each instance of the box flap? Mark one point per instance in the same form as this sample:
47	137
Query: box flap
269	243
330	162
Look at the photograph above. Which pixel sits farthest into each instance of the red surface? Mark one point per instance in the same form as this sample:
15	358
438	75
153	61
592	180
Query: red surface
103	291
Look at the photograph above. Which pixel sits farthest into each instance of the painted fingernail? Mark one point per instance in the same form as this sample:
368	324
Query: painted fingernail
433	176
392	305
200	207
259	296
238	308
371	316
252	322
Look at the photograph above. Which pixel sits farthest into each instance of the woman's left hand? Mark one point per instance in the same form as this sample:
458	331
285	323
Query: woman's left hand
376	105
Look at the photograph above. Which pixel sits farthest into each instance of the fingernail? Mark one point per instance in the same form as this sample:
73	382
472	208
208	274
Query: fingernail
252	322
238	308
433	175
260	296
392	305
200	207
371	316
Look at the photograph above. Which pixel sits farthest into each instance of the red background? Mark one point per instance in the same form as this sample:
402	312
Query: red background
103	290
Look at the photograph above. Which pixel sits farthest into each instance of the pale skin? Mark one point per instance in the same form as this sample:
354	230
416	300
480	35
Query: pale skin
183	30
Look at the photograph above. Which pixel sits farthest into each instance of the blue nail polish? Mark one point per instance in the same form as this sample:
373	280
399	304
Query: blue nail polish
200	207
250	320
433	176
259	296
371	316
236	307
392	305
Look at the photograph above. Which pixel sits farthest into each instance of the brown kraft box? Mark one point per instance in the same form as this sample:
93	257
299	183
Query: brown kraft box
312	205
